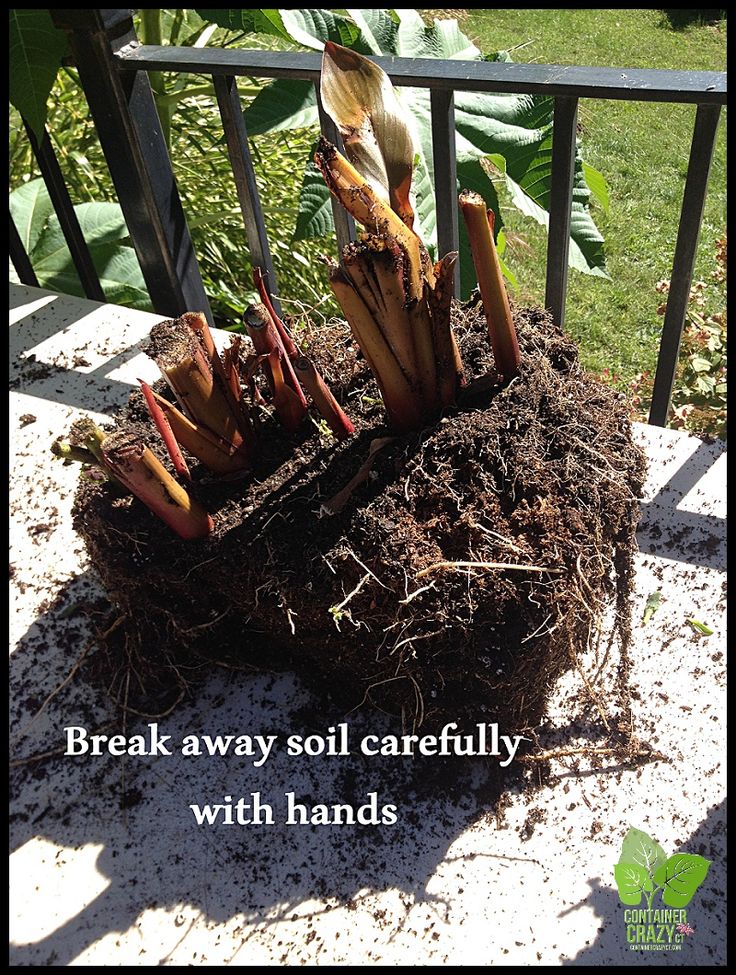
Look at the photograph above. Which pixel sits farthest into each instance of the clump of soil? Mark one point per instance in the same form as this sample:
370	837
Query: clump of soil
465	571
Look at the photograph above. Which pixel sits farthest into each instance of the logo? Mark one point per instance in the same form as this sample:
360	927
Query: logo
645	871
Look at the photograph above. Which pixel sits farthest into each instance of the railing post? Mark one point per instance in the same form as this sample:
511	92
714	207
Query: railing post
691	217
129	129
442	101
64	208
20	259
564	143
236	137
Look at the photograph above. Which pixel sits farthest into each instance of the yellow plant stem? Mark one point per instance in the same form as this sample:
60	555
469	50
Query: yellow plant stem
490	281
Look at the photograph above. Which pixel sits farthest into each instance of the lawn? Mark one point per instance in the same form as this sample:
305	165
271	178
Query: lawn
642	149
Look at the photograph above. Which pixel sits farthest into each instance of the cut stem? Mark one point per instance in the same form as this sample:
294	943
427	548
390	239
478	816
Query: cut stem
322	397
290	406
218	455
479	222
143	473
259	279
164	428
403	405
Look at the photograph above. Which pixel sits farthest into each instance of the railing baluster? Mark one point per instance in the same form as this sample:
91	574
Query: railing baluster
344	224
691	216
445	174
560	205
20	258
129	130
54	180
236	137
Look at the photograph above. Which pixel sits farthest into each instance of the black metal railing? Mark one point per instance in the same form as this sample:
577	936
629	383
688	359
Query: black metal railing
113	69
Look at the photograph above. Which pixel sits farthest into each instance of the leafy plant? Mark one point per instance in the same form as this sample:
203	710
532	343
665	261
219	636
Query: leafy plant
509	136
107	237
36	50
645	869
699	397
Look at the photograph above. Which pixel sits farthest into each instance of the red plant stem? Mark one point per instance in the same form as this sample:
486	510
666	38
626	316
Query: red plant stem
259	279
266	339
164	428
323	399
288	408
479	222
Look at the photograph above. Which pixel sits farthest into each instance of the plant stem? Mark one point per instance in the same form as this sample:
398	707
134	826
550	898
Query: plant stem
164	428
501	329
259	279
217	454
143	473
323	399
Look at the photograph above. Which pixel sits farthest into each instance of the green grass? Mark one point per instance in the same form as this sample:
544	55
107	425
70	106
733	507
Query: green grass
642	149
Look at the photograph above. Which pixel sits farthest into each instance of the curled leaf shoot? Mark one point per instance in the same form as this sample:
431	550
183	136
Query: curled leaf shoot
144	475
323	399
479	223
359	97
84	446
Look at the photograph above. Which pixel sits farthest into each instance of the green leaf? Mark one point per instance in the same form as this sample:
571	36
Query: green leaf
654	601
700	364
632	881
310	28
282	105
597	185
378	30
31	207
252	21
680	877
642	850
36	50
105	231
314	218
700	628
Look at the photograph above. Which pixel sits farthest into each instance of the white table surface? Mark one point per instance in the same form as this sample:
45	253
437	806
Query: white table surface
94	884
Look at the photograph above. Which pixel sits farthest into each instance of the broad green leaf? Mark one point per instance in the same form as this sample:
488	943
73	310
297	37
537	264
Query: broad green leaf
632	881
36	50
680	877
252	21
315	210
104	230
597	185
642	850
310	28
379	31
282	105
31	207
361	101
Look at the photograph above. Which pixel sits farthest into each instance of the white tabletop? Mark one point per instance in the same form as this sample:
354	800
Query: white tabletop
96	884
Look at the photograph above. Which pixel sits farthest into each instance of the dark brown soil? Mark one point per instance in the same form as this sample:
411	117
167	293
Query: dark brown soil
541	473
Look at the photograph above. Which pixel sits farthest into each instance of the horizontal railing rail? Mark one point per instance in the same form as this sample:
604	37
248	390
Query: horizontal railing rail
113	69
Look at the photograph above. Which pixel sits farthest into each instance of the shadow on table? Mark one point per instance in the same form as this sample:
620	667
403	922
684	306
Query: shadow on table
706	912
685	536
137	808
